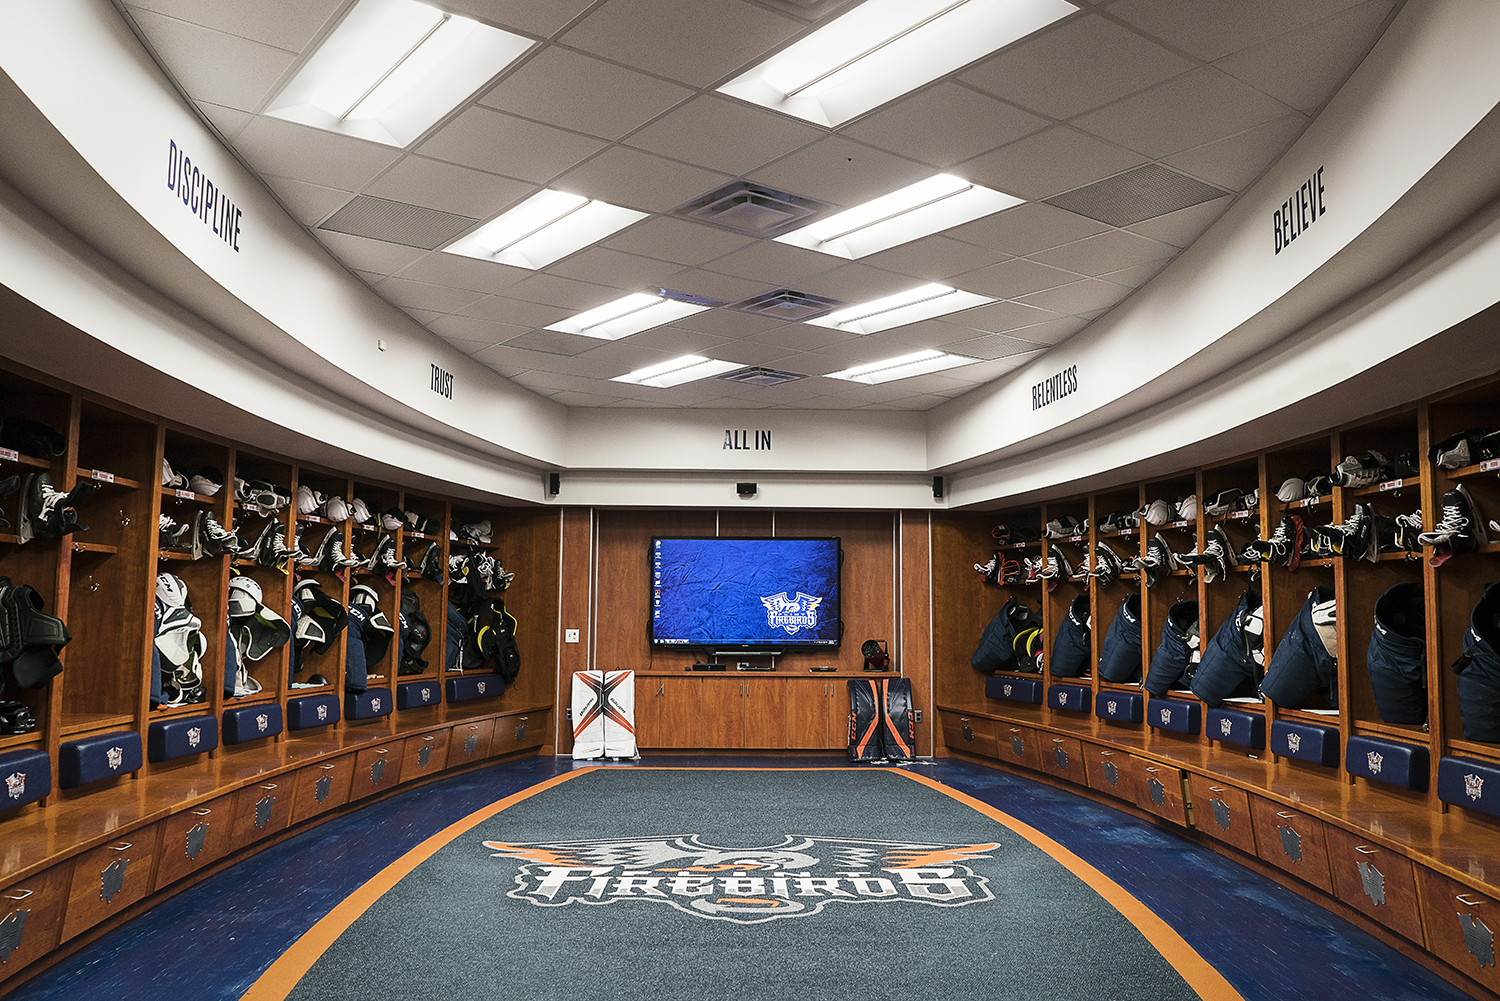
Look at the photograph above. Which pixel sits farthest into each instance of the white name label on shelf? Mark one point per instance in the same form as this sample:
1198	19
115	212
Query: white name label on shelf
1239	514
312	518
186	494
252	508
9	453
100	476
1487	466
1309	502
1391	485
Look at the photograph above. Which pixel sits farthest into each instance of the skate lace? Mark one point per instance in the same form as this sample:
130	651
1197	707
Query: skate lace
1453	519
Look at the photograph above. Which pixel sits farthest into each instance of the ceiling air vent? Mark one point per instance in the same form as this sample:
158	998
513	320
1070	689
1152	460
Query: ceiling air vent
755	375
396	222
750	208
787	305
1136	195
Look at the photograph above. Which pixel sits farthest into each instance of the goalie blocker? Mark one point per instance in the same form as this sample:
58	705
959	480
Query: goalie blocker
881	724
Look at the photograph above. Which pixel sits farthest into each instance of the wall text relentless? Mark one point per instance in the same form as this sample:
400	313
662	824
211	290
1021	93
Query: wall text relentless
1054	388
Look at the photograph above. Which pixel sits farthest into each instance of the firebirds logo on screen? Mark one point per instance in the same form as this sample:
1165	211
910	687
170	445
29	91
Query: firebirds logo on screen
791	614
796	878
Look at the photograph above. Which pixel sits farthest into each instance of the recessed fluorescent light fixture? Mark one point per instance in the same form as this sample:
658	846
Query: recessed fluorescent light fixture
884	48
921	303
629	315
688	368
904	367
910	213
392	68
544	228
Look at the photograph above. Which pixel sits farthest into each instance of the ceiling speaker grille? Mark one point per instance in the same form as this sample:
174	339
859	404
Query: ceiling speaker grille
749	208
756	375
992	346
786	304
396	222
1136	195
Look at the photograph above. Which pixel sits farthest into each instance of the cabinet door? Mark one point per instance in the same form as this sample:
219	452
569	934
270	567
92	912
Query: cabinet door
323	786
262	809
1461	926
1063	757
1293	841
721	721
532	729
1378	882
1222	811
1159	790
34	909
191	840
677	705
838	715
1018	746
376	769
424	754
764	713
970	734
470	742
1111	771
110	878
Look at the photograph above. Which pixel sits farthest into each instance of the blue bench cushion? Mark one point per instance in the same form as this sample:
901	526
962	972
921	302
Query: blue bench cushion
177	738
1173	714
1473	785
312	710
1235	727
242	723
1389	761
1069	698
1120	707
369	704
475	686
27	777
1014	689
101	756
1306	742
415	694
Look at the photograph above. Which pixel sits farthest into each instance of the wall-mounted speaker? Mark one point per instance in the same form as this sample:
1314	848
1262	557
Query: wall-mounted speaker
745	489
554	484
937	488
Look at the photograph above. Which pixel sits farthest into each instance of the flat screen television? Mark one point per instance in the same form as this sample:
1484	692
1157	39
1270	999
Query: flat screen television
745	594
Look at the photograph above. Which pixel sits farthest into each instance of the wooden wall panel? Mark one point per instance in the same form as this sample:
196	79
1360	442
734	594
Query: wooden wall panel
529	539
623	594
868	582
914	659
573	605
961	603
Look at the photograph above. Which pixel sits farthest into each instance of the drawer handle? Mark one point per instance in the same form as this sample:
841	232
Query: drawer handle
963	719
328	768
1215	788
123	846
1015	730
1364	851
428	740
1463	898
18	896
1058	740
202	813
523	718
474	727
378	750
1286	816
1153	771
269	785
1106	754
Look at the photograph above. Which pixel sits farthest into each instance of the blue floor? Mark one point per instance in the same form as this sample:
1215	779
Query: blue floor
215	939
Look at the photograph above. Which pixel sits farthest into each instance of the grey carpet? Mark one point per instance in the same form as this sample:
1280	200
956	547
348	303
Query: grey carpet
450	931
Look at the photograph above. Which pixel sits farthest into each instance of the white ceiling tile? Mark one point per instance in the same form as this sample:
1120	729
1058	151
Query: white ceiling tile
229	121
1080	297
416	295
773	263
467	347
1053	331
1235	162
678	341
287	24
988	346
1027	229
944	124
1111	251
637	180
1052	161
723	135
418	180
825	402
1186	111
526	315
803	337
214	66
668	239
856	283
508	145
283	148
751	352
935	258
555	381
1182	227
1302	68
1016	278
729	323
309	203
422	316
472	330
1211	30
368	255
1079	65
615	269
1004	317
551	290
714	285
842	172
506	359
571	399
455	271
575	91
696	41
1137	276
920	336
530	17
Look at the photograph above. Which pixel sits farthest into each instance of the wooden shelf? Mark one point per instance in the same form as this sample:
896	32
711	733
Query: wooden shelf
1307	502
1386	487
11	455
173	554
74	723
94	547
1478	469
101	478
186	495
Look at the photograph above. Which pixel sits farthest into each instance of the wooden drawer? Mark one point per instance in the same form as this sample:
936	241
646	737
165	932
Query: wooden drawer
321	787
193	839
110	878
1291	840
37	906
1461	925
1063	757
971	734
376	769
1223	812
1111	771
1159	790
470	742
425	754
1018	746
260	810
513	733
1380	883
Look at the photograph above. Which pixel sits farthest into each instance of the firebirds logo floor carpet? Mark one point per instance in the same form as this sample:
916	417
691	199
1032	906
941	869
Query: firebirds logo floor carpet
796	878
